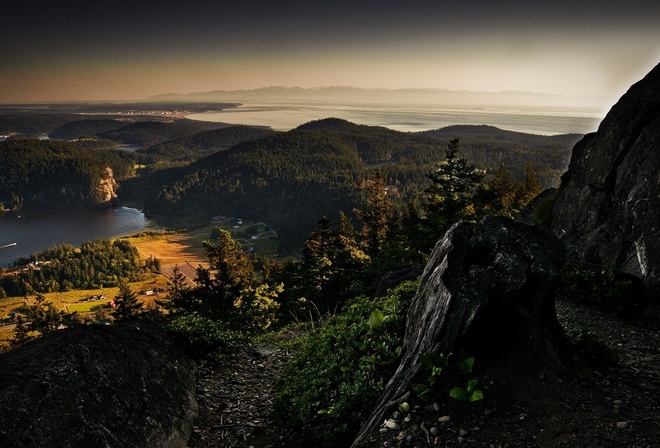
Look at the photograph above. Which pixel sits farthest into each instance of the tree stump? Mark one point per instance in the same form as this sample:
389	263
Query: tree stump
487	285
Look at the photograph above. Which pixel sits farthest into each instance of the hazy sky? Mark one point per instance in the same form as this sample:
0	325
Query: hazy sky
130	50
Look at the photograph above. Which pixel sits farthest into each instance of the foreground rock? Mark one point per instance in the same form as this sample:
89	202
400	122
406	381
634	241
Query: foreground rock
97	386
608	208
489	285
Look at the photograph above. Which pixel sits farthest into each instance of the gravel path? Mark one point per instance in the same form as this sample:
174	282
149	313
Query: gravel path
600	407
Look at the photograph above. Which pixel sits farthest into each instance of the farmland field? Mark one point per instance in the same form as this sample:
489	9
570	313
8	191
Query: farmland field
183	250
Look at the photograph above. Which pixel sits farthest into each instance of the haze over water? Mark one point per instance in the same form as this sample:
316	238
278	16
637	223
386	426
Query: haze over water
413	118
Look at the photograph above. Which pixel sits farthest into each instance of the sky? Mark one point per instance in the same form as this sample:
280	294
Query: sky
120	50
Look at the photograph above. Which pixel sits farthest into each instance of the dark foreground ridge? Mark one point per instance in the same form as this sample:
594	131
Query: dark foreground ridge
95	385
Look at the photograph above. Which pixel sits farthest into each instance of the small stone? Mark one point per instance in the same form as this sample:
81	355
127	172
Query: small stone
617	402
436	406
444	419
622	425
391	424
396	415
433	431
404	407
462	433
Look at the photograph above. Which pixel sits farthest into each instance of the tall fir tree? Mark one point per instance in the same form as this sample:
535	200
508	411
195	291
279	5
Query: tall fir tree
450	196
126	304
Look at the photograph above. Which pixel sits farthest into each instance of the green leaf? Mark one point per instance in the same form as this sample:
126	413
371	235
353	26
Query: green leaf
430	360
458	393
376	320
465	365
476	395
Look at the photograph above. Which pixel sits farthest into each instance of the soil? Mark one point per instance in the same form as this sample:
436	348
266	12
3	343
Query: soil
595	406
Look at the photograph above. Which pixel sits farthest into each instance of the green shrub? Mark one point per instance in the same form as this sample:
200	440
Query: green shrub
442	371
328	389
201	336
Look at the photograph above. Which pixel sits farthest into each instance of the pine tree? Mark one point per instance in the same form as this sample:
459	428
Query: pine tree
41	318
377	216
126	305
450	195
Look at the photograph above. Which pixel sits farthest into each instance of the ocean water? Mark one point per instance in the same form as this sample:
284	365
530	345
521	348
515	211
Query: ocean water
412	118
25	232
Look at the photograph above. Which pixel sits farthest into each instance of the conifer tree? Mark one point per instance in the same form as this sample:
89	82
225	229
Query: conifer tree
377	215
41	318
450	195
126	305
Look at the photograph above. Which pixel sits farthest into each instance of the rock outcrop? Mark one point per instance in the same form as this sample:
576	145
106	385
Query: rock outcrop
489	285
97	386
608	208
107	187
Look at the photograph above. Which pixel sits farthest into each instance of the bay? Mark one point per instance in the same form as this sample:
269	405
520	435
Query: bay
25	232
414	118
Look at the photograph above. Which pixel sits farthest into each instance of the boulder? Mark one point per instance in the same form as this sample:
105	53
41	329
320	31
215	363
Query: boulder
608	206
97	386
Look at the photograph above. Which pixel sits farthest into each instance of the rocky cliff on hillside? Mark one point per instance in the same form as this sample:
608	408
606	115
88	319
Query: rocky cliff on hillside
608	208
107	187
97	386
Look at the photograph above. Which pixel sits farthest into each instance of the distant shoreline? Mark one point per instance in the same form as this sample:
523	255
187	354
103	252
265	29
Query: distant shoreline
284	116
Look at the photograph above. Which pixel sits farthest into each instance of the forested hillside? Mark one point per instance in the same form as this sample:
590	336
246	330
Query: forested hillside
292	179
45	173
192	147
86	128
187	172
15	122
151	132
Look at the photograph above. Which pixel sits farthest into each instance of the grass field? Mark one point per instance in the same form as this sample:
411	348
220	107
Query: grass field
175	249
172	249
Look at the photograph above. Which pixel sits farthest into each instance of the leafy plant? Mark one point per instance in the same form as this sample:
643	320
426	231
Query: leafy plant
328	389
465	362
467	393
202	336
437	364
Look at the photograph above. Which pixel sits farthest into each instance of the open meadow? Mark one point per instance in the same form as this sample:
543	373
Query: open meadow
173	249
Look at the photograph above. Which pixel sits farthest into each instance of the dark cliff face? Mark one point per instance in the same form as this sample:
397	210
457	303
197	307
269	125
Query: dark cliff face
608	208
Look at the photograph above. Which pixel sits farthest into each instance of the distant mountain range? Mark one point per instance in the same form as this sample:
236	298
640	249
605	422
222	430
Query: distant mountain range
355	95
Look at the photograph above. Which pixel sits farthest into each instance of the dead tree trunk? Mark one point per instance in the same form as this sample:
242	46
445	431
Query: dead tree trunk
491	284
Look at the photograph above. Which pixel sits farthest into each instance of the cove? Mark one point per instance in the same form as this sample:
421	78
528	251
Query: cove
25	232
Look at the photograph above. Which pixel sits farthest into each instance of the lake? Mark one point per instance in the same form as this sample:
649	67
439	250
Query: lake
35	230
414	118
